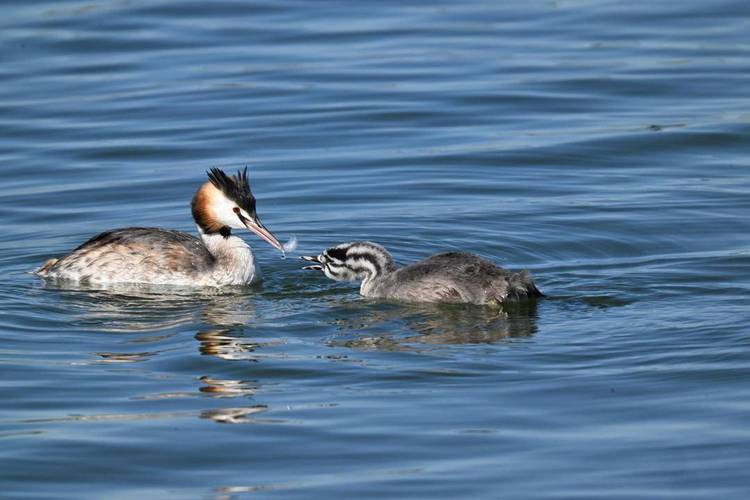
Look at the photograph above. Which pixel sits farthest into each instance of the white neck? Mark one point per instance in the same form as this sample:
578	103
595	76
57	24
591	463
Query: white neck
373	279
377	264
235	263
366	286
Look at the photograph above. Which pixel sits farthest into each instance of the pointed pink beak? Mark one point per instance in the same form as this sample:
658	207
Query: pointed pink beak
259	229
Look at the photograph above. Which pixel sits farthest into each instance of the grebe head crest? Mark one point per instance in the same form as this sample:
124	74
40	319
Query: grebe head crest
236	188
226	202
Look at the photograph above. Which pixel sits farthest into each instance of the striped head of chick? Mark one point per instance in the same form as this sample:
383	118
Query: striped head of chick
353	261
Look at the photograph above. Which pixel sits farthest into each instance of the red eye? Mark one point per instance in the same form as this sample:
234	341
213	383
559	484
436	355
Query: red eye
236	210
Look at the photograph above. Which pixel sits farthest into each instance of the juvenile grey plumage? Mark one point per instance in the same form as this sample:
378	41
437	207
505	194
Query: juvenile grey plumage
453	277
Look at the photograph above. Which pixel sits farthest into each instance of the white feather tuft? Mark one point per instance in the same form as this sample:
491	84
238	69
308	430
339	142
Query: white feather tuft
290	246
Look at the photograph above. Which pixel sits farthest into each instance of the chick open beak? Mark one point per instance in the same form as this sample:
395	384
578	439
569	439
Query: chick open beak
312	258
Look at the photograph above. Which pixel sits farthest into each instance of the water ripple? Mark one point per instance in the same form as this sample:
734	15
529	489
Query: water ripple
600	144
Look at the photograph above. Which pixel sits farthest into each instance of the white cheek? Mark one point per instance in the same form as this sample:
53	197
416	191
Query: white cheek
224	210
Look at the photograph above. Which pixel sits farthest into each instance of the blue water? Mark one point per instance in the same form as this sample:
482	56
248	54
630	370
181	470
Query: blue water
603	145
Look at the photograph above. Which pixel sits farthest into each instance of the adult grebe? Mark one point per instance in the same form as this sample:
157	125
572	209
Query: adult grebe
166	257
454	277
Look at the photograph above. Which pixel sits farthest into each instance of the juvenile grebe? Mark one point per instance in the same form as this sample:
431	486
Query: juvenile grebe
165	257
454	277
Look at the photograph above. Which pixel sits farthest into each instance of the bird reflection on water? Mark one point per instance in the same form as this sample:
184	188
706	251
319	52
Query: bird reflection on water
233	415
146	317
450	324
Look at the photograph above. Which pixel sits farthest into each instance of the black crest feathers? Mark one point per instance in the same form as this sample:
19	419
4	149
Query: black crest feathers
235	187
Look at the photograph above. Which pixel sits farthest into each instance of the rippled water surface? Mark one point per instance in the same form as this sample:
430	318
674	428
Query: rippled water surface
603	145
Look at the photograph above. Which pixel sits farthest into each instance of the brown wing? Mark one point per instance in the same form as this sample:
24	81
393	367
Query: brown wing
137	252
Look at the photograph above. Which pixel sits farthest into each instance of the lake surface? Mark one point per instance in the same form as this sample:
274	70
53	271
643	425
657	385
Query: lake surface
603	145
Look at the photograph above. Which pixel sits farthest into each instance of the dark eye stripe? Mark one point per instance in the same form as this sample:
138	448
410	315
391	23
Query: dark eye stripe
351	263
369	258
335	272
338	269
336	253
336	259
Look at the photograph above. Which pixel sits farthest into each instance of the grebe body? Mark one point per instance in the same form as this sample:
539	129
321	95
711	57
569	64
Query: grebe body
453	277
166	257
